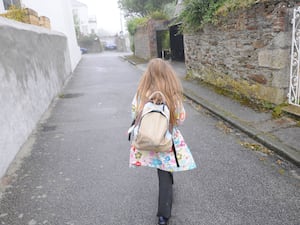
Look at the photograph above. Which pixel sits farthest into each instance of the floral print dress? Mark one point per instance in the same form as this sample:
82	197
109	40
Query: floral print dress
164	160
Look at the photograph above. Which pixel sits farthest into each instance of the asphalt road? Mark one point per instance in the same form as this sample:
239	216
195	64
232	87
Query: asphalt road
74	168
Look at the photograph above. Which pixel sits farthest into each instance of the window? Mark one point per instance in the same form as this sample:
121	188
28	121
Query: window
8	3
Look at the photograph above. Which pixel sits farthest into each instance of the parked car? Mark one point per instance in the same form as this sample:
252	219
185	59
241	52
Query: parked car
110	46
83	50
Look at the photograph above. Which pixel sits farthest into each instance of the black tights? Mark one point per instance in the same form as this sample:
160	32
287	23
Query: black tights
165	180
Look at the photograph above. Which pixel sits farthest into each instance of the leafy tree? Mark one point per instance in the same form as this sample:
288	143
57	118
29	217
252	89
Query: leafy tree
198	12
77	26
142	7
169	9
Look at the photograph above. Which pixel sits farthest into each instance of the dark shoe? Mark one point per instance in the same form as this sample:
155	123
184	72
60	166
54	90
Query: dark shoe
162	220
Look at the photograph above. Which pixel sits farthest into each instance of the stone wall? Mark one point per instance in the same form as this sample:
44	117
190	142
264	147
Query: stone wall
248	52
30	17
145	41
141	43
33	18
34	65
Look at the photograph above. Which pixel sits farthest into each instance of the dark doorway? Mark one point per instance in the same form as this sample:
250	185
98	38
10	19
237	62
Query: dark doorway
176	44
163	44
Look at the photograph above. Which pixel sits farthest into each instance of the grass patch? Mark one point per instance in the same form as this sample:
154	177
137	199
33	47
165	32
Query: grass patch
135	59
16	13
234	5
257	147
255	104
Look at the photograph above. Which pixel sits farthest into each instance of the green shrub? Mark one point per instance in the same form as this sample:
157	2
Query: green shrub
133	23
15	13
233	5
169	9
196	13
166	41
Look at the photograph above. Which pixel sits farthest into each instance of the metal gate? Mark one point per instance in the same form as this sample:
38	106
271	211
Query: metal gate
176	44
294	90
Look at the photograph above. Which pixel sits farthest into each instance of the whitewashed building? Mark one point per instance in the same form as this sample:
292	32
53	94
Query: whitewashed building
87	23
80	12
92	25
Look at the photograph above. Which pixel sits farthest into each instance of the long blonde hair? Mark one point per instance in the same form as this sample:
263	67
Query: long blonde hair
160	76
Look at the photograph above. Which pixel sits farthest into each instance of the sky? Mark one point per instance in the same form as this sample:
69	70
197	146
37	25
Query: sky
107	14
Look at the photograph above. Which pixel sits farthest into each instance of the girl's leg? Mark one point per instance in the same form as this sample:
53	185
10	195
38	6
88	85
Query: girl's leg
165	180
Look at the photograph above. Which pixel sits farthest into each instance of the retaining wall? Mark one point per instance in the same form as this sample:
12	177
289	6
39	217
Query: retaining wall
248	52
34	65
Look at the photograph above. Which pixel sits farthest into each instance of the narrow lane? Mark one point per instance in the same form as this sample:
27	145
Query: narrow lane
74	169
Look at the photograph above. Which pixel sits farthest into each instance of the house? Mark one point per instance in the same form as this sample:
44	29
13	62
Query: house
92	24
87	23
80	12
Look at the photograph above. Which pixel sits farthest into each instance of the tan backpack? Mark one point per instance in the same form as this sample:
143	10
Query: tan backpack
151	130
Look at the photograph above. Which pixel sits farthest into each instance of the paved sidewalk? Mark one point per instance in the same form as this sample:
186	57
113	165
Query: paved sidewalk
281	135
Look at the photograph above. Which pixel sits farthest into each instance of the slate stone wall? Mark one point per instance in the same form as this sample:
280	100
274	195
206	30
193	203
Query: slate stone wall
248	52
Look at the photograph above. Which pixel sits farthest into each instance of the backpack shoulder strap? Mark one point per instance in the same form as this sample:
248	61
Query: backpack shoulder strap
164	102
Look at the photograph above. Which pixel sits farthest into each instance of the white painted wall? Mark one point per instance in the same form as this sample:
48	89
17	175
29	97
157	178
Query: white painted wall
32	73
1	6
61	18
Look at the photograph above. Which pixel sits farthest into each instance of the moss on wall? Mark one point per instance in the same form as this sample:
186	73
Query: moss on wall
243	90
247	54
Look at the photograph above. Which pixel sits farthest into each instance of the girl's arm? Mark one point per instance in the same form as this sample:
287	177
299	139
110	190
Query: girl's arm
134	108
180	114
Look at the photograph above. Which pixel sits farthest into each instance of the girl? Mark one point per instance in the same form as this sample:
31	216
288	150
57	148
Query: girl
159	76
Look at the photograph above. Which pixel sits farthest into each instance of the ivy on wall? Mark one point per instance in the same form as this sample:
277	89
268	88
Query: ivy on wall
196	13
